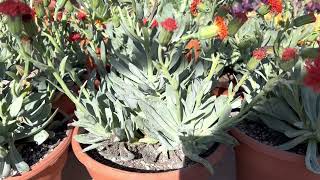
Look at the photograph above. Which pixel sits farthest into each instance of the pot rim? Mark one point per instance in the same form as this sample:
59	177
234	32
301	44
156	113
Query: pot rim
266	149
48	160
90	163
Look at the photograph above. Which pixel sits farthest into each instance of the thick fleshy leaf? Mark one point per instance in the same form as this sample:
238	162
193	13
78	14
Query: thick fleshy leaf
311	159
16	159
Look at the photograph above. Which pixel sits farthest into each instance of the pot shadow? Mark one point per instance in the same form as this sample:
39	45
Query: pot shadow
221	157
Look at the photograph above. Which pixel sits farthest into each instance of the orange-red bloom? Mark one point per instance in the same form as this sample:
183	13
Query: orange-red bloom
223	28
169	24
259	53
194	7
193	47
276	6
312	78
289	54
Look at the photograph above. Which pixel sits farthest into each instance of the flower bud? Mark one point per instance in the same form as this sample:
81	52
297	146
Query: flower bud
165	37
303	20
252	64
257	56
116	21
168	26
208	32
263	10
218	28
288	58
202	7
15	25
287	65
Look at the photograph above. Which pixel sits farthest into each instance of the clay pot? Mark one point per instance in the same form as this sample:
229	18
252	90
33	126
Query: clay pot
49	168
65	105
255	160
100	171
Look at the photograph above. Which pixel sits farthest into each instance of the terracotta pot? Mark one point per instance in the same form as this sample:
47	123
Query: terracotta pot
100	171
49	168
255	160
64	104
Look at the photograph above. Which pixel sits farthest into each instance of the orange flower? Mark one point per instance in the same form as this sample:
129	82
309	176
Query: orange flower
223	28
193	46
276	6
99	23
194	7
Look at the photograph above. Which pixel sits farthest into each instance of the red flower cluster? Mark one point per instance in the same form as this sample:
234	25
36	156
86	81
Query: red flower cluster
223	28
289	54
14	8
74	37
169	24
312	78
154	24
259	53
276	6
194	7
81	15
144	21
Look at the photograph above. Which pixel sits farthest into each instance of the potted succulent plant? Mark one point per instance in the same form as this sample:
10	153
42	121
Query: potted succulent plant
287	106
153	111
26	121
150	102
35	135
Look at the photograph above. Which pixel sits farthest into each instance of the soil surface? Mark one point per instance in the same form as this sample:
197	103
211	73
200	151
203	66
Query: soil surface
142	158
267	136
32	153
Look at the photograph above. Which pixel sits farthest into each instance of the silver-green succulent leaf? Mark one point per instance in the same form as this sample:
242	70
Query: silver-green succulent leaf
294	111
23	114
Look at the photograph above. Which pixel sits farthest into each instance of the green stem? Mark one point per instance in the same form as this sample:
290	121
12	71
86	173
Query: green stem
239	84
68	92
160	55
174	84
146	45
26	69
213	71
